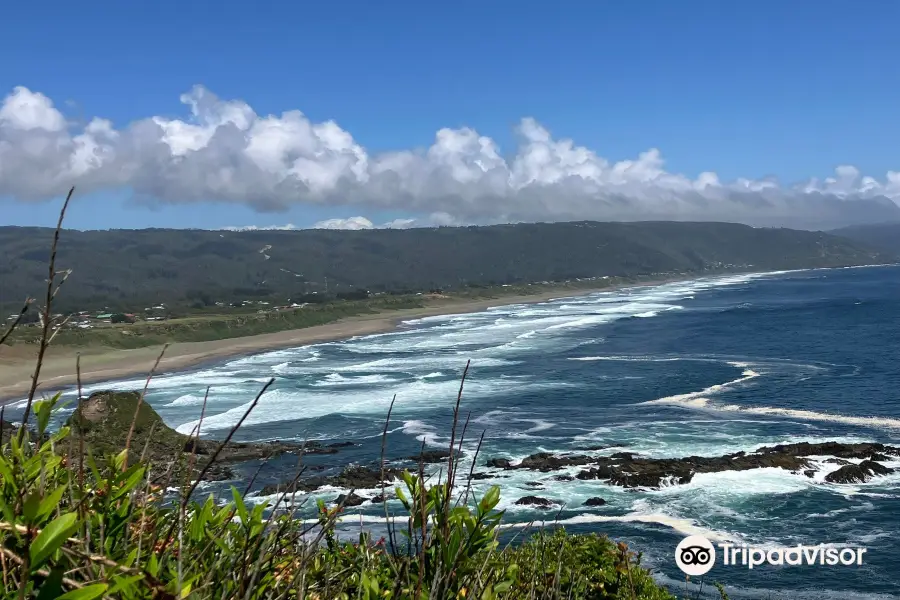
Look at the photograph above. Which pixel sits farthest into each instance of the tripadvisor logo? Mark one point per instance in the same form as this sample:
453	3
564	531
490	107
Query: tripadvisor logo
695	555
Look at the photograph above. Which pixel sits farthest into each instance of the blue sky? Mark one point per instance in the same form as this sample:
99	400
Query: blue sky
785	89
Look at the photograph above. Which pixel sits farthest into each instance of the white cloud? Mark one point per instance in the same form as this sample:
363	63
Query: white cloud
288	227
354	223
224	151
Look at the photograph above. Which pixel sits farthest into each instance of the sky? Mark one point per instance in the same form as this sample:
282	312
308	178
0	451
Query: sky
360	114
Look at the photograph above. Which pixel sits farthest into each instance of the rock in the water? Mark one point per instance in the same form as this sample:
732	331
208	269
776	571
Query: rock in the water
351	500
564	478
499	463
104	419
596	501
838	461
860	473
480	476
625	455
631	471
810	473
535	501
431	456
544	461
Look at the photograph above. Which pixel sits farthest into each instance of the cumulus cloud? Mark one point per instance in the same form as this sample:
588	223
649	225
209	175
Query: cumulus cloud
222	150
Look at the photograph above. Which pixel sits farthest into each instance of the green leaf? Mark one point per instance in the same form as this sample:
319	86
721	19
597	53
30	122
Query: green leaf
503	586
52	586
120	459
132	477
49	504
6	473
30	507
88	592
121	583
491	498
240	507
52	537
153	566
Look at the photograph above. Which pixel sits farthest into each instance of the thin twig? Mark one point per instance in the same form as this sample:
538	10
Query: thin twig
80	424
387	516
17	320
137	409
45	319
227	439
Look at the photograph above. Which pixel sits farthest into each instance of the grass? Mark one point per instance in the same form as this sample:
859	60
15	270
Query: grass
76	526
202	325
202	328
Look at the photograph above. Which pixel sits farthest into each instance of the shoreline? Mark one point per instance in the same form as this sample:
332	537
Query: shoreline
58	372
98	364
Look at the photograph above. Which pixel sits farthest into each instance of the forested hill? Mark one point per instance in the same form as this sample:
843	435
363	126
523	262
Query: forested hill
882	236
122	268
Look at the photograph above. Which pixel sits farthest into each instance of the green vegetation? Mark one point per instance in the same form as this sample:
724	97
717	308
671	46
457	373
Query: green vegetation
104	531
882	236
202	327
128	271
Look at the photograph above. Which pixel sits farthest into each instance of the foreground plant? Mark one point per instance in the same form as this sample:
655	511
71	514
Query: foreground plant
109	533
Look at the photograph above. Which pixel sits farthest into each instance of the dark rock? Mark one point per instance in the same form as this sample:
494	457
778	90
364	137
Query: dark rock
838	461
499	463
219	472
281	488
631	471
564	478
534	484
431	456
596	448
860	473
379	499
810	473
596	501
480	476
341	444
544	461
838	449
352	477
624	455
535	501
349	500
878	456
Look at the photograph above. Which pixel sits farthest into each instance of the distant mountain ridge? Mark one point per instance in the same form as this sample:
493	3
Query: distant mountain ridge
132	268
881	236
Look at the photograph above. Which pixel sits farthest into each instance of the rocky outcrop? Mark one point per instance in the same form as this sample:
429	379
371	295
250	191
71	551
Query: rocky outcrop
433	456
629	470
596	501
860	473
349	500
105	418
535	501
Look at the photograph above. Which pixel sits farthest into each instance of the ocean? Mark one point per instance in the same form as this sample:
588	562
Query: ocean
704	367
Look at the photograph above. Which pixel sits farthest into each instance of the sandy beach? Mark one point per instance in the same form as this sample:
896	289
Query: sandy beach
104	364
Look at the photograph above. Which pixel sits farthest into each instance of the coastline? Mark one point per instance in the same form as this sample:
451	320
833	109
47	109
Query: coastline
58	371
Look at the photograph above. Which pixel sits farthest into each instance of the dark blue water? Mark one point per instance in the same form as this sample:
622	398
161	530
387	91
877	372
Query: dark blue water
696	368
